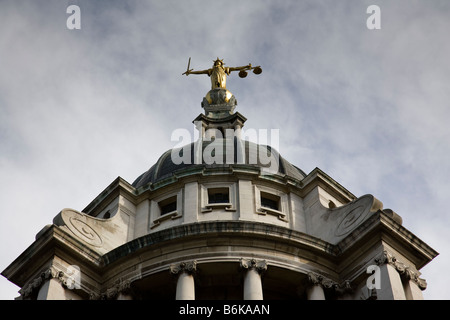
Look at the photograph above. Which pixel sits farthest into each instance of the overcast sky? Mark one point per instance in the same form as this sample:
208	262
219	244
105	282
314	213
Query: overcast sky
80	107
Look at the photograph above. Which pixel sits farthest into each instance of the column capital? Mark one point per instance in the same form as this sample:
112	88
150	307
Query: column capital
405	271
385	257
119	286
252	278
317	279
189	267
50	273
259	265
413	276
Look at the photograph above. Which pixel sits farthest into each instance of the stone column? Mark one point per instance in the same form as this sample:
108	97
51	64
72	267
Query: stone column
413	285
252	278
185	282
52	290
315	290
391	286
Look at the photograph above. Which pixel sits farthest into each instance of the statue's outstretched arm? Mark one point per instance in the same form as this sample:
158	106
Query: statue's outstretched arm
247	67
191	71
208	72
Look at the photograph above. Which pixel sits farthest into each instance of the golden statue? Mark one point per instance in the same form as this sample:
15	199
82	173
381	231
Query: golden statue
218	73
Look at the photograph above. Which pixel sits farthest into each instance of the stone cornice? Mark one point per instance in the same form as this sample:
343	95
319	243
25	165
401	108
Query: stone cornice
118	187
52	239
317	177
202	171
407	238
237	228
231	118
381	226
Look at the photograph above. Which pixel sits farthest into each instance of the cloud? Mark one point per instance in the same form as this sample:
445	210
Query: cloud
79	108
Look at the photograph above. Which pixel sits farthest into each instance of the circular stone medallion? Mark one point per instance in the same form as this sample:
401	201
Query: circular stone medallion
74	221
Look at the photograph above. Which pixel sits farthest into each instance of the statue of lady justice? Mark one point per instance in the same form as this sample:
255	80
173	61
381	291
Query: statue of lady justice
218	73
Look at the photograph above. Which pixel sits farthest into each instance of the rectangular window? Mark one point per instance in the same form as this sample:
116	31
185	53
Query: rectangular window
270	201
168	205
218	195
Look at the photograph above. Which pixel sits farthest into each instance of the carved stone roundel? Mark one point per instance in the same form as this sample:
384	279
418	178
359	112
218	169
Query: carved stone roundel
351	220
74	221
86	232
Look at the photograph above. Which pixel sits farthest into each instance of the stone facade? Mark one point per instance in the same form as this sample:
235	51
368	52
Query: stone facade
228	231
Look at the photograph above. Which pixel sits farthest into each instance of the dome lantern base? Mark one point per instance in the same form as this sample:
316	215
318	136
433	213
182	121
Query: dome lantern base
219	103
